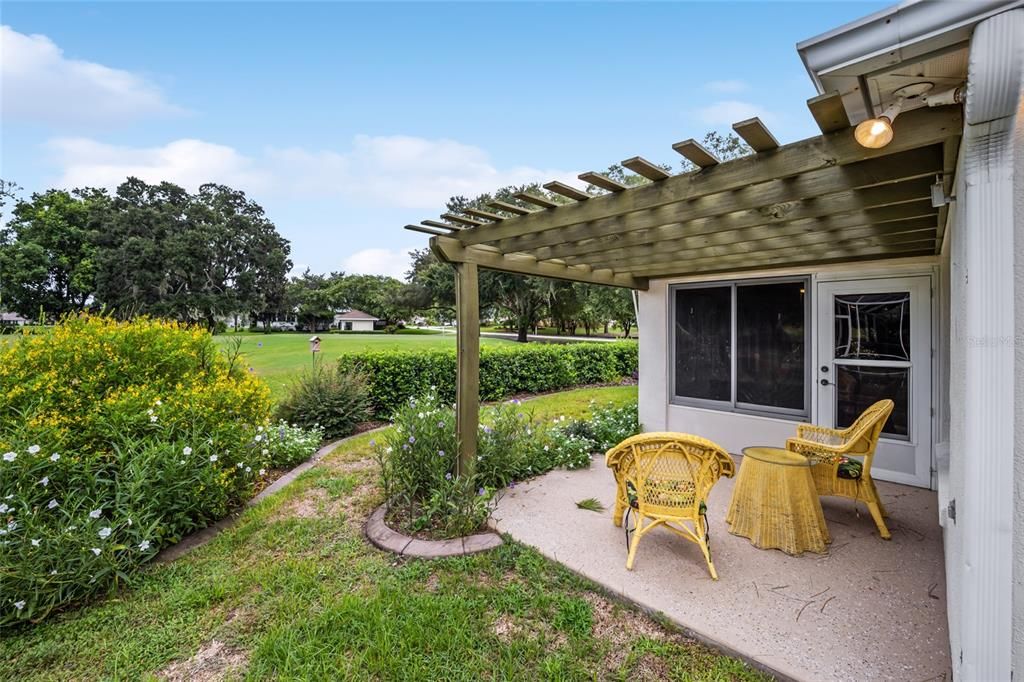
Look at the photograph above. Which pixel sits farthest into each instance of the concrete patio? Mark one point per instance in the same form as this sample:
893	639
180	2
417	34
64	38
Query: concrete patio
867	610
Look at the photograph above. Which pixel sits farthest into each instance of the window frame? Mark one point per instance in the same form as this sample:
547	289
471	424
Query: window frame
732	405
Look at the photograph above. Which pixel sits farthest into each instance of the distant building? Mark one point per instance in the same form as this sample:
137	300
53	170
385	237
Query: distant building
12	320
354	321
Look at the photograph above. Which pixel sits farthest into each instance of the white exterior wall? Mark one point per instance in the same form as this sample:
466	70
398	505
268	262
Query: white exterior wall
361	325
985	542
731	430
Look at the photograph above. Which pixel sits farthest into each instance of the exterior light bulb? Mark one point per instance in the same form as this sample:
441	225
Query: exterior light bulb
875	133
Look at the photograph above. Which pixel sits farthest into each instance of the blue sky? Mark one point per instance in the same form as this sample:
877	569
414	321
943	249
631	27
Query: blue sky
346	121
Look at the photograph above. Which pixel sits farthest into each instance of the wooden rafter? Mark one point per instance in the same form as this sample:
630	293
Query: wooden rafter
536	200
828	180
424	230
566	190
442	226
828	112
486	215
451	250
645	168
765	218
914	129
756	135
452	218
602	181
509	208
696	153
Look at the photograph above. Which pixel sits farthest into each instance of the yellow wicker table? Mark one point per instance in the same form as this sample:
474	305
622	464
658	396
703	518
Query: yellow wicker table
775	504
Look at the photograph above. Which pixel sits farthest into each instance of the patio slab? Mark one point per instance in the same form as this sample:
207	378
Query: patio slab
866	610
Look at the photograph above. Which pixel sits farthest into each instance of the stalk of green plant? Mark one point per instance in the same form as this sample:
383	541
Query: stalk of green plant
328	398
417	458
117	439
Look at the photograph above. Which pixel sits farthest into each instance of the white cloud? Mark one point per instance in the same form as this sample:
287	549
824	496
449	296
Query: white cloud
41	84
188	163
726	86
727	112
378	262
396	171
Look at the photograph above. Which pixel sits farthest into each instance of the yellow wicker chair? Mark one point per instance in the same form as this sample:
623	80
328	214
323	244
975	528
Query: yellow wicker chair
826	449
673	474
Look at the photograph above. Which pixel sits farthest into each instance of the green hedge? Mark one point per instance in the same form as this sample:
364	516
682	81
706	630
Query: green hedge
395	376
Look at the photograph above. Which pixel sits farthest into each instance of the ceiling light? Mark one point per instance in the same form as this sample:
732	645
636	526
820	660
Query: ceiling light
875	133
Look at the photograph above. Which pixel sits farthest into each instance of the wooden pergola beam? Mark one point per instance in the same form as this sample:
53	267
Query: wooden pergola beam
914	129
566	190
424	230
535	200
812	256
748	222
602	181
509	208
467	372
829	112
486	215
906	166
645	168
440	225
453	218
756	135
696	153
796	240
793	235
450	250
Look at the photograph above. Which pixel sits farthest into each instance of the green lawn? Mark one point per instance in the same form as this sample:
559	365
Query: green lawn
279	358
293	591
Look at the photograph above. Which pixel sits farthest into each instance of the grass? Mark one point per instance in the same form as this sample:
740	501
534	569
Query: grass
278	358
293	591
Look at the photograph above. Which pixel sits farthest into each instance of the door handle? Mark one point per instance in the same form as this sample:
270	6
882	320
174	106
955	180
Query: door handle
826	382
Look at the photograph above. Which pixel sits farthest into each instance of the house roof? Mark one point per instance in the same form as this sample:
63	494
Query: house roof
821	200
355	315
12	317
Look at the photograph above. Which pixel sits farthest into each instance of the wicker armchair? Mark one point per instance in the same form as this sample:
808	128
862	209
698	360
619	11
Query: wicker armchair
827	449
672	474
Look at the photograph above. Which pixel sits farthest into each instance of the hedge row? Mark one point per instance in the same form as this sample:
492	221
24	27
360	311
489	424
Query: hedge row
395	376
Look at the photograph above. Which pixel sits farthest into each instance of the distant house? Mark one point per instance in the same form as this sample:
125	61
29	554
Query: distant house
354	321
12	320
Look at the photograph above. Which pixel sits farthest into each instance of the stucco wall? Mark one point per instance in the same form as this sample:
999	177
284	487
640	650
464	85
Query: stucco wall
1018	459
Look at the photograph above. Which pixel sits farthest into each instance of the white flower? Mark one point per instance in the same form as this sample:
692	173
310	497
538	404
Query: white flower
263	472
421	415
266	452
259	428
213	458
35	542
4	508
144	545
149	411
53	572
129	523
54	457
181	461
19	604
258	438
95	513
44	481
545	448
33	449
97	551
105	532
240	465
10	456
187	451
248	469
152	420
10	497
158	402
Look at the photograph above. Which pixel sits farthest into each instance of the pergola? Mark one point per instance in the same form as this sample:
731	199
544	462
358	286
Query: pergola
825	199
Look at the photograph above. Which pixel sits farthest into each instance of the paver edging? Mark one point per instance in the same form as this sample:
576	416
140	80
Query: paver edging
204	535
383	537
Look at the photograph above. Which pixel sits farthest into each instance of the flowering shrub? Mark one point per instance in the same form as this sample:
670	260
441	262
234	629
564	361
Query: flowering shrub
418	459
287	445
116	439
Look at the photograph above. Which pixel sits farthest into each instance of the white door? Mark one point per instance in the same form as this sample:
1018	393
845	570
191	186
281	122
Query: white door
874	342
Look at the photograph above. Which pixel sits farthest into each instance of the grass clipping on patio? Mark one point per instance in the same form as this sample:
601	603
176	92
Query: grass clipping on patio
591	504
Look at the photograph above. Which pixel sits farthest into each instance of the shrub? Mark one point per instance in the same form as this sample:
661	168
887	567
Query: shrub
117	438
330	398
287	445
418	457
395	376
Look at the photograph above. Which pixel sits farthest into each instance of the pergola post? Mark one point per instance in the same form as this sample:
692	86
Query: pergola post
467	392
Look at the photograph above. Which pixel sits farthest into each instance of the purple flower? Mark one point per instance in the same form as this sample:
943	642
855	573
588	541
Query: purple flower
405	446
440	453
250	369
511	484
373	443
448	476
440	425
480	492
412	439
259	345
